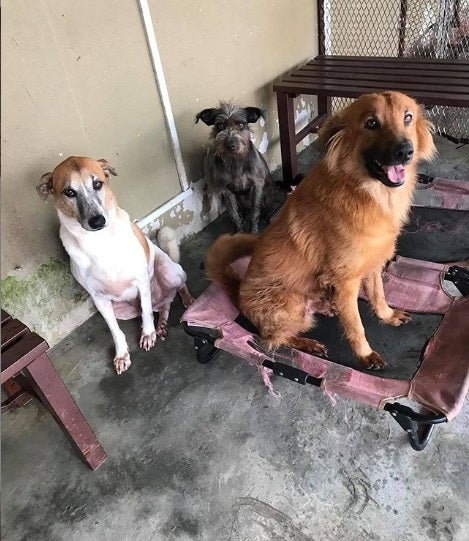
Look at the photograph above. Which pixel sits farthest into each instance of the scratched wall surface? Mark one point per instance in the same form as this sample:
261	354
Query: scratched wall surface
77	79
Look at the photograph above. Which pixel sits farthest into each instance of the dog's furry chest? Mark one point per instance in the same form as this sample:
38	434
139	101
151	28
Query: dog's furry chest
236	174
107	263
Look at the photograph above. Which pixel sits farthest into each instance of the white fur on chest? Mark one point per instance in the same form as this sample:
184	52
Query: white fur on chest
108	262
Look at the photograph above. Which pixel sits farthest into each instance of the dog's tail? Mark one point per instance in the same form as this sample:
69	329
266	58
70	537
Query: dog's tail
224	251
168	243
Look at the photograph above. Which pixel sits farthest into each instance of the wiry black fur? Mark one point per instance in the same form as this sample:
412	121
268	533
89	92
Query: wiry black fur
235	169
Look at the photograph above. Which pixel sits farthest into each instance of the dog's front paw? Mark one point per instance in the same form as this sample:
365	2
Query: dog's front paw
147	340
122	362
373	361
398	317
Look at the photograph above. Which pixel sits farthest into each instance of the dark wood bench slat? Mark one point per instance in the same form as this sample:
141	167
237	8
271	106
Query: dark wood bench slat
428	71
20	354
408	67
332	59
11	331
341	91
385	79
5	316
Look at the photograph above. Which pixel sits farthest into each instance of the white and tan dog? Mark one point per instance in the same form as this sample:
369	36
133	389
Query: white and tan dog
123	271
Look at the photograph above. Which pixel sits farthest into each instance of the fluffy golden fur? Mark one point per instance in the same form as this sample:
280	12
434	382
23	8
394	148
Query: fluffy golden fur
336	231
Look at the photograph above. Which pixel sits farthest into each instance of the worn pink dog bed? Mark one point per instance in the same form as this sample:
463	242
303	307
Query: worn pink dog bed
435	292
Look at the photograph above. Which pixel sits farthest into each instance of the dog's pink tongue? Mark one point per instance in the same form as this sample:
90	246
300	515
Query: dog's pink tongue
396	173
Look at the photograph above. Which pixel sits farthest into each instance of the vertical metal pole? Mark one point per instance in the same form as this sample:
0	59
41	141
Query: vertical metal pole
163	90
402	28
321	29
286	123
444	20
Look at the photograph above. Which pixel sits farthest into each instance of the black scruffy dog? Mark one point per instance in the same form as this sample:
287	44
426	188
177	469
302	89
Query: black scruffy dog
236	170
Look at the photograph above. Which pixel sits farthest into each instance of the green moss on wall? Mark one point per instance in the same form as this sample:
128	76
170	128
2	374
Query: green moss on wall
43	299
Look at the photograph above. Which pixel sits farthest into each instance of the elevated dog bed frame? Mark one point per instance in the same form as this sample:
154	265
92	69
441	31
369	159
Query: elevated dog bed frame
436	379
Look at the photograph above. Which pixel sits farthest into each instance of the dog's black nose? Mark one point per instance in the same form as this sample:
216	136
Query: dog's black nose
403	151
97	222
231	145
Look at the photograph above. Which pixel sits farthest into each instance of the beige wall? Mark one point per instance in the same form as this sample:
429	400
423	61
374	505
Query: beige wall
77	79
221	50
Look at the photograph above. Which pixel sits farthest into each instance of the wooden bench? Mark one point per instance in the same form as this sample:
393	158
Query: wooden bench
24	357
429	81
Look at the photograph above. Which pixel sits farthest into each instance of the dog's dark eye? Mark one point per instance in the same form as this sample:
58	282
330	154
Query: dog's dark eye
408	118
69	192
97	184
372	124
241	125
221	126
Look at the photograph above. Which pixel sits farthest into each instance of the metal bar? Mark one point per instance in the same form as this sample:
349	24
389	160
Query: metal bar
163	90
292	373
402	28
321	28
311	127
286	122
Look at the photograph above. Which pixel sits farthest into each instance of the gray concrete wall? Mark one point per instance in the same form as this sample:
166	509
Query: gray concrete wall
77	79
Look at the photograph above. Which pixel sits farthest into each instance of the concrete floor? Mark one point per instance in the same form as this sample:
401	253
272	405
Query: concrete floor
203	452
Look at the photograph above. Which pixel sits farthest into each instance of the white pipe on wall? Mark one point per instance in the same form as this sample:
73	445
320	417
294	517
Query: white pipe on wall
163	91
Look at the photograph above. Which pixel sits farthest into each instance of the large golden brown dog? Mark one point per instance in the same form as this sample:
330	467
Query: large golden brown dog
336	231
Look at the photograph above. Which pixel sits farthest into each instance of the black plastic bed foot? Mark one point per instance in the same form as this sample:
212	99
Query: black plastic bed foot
204	350
424	179
204	347
418	426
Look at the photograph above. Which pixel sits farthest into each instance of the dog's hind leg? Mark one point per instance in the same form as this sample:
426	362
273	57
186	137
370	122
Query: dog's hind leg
186	298
373	286
162	325
308	345
282	319
122	358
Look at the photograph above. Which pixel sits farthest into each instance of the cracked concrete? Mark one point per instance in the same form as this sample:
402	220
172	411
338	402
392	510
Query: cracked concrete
203	452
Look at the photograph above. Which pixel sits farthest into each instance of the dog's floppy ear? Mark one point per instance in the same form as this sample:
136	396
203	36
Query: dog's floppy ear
331	127
44	189
425	129
107	167
207	116
253	114
331	140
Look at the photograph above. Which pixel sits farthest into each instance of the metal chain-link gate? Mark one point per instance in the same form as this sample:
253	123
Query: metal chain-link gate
412	28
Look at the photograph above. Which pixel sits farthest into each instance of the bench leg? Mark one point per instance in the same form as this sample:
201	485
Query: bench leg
53	393
286	122
324	105
17	395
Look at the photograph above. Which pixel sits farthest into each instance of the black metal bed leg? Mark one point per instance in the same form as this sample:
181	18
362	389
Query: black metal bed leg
419	438
205	351
419	427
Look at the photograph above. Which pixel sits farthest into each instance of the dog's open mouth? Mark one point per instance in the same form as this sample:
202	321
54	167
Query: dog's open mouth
390	175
